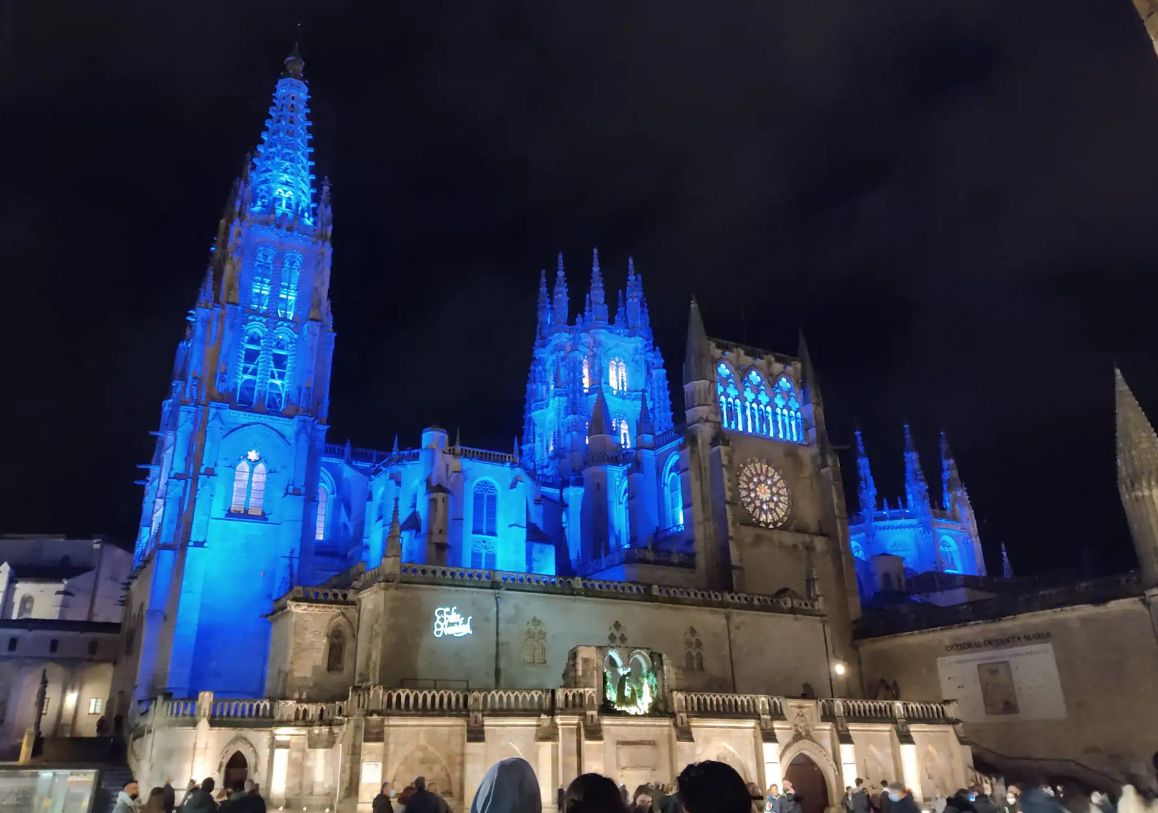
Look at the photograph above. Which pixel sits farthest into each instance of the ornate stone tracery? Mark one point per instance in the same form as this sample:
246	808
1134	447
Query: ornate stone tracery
764	494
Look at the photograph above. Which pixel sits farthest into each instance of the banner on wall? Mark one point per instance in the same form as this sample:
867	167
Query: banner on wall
1004	684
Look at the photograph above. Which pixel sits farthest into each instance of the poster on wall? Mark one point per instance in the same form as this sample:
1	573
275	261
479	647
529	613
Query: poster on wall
992	683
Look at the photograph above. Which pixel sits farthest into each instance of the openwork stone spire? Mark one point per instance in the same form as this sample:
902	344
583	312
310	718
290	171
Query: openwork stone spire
867	488
282	176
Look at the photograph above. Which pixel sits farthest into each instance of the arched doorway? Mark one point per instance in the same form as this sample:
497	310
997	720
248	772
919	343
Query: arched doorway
808	781
236	771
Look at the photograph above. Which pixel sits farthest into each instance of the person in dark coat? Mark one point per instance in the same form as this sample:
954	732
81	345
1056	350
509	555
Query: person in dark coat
959	802
423	801
713	787
860	797
200	800
592	793
981	801
899	800
789	802
880	799
381	802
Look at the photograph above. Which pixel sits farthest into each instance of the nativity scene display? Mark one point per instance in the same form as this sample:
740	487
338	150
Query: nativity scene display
631	684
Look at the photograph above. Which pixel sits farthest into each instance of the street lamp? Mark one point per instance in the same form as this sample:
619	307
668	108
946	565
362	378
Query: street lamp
839	668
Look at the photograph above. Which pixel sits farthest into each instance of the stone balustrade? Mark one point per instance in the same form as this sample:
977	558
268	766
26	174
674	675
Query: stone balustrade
485	455
462	702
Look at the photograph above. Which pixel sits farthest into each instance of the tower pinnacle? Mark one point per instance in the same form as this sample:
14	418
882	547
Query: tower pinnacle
282	174
1137	451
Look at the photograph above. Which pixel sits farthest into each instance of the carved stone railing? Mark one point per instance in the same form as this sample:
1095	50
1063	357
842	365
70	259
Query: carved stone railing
726	704
656	556
485	455
886	711
512	701
369	457
316	595
576	700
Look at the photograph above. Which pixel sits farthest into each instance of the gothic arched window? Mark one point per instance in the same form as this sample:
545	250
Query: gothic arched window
262	278
675	500
323	509
624	433
284	200
287	290
950	563
857	550
336	650
249	485
26	604
250	365
483	554
757	405
789	423
617	375
586	374
279	356
486	504
729	396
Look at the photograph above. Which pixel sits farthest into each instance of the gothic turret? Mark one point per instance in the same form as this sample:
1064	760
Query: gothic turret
866	486
561	308
1138	476
597	302
916	489
544	310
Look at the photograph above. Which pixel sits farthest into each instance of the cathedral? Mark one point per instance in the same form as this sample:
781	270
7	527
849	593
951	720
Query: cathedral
600	597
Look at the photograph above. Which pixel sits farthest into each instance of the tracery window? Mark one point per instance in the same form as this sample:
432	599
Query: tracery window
586	374
624	432
483	554
249	485
789	423
486	502
617	375
729	396
675	500
950	563
250	365
323	508
757	405
287	291
262	278
279	355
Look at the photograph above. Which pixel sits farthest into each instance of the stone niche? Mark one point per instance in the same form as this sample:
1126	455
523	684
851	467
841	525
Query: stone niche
632	680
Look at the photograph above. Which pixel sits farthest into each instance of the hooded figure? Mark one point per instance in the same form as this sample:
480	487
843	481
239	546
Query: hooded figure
510	786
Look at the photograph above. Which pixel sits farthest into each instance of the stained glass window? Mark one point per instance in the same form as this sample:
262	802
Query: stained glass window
586	374
729	396
287	291
757	405
486	500
262	278
764	494
248	485
483	554
323	507
675	500
617	375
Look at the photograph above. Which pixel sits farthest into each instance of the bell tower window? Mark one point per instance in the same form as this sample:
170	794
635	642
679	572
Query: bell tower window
287	291
249	485
262	278
250	365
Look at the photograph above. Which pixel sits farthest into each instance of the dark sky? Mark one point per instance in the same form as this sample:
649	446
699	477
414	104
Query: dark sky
957	201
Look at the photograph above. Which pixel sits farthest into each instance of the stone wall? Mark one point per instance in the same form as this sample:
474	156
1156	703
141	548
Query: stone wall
1081	680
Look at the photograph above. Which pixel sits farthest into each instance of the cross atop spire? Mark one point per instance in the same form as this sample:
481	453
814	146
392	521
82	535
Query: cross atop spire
282	174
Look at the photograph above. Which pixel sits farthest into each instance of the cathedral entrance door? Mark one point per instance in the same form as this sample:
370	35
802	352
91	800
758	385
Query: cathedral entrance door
236	771
808	780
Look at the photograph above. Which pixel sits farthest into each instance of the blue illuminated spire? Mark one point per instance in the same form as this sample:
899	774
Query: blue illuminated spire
867	488
561	311
916	489
951	485
598	301
281	177
1006	566
544	306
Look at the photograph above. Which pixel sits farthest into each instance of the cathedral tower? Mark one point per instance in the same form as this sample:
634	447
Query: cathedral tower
230	495
1138	477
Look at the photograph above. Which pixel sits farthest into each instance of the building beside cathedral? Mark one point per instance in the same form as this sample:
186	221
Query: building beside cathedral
632	587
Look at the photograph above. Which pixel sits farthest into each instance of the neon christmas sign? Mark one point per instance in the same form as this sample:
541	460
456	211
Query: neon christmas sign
449	622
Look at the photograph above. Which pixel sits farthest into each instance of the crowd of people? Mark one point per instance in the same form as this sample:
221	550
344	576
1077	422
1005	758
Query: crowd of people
244	798
510	786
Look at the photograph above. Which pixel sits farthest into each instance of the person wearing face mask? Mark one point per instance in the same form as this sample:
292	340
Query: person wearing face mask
1009	803
127	798
900	800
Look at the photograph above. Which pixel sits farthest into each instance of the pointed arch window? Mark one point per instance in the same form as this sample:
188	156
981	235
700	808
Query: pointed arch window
279	356
336	650
287	291
757	405
586	374
789	423
624	433
486	503
249	485
250	367
323	511
259	288
283	200
483	554
617	375
950	563
729	397
675	500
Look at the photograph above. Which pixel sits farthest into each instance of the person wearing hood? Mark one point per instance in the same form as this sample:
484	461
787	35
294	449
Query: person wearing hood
509	786
127	798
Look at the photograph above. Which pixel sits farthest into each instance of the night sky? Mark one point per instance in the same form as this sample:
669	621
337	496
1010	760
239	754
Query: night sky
957	202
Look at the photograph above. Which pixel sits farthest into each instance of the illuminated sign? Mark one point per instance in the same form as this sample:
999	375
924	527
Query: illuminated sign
448	621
